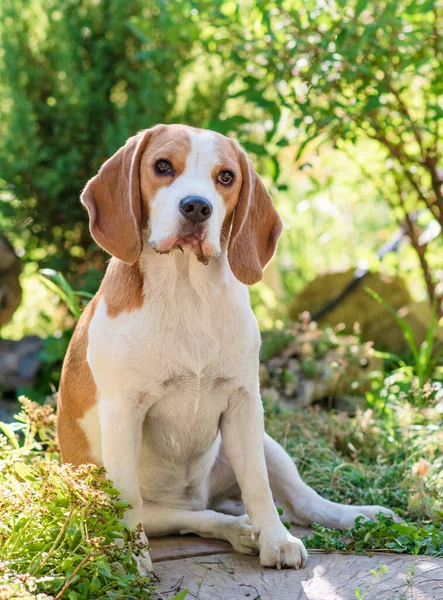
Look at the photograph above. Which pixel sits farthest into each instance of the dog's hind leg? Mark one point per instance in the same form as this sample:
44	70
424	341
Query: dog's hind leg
301	503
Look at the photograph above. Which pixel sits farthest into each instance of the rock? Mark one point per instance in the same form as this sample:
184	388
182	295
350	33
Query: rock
319	365
19	362
10	289
376	322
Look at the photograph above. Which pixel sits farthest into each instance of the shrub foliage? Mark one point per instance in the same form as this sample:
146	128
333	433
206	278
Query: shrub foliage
58	525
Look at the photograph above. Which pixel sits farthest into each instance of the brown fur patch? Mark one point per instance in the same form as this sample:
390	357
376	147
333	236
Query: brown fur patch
77	393
256	226
122	287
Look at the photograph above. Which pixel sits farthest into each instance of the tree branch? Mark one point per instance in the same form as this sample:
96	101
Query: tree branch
398	153
420	249
405	112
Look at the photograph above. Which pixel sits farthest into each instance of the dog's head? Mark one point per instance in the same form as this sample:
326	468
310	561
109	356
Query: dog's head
184	187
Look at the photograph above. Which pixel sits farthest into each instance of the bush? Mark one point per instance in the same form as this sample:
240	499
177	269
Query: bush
76	81
58	525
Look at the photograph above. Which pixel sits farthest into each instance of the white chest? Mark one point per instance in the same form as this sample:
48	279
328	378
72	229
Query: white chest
192	328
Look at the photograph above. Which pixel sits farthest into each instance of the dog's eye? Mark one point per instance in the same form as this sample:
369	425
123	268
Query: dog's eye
164	167
225	177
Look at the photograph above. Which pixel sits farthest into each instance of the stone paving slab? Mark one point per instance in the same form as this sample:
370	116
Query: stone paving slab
225	575
176	547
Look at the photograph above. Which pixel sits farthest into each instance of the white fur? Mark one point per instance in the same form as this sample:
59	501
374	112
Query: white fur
179	376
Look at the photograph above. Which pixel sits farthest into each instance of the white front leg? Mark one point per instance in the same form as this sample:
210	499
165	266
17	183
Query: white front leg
242	430
121	425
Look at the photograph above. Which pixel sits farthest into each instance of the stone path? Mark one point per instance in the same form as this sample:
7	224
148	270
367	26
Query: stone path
210	570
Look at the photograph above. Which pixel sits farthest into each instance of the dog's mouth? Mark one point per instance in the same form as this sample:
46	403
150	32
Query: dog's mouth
196	241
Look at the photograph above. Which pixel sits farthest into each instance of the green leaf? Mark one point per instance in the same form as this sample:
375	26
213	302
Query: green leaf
24	471
302	147
257	149
10	434
57	284
373	103
95	584
274	168
104	568
360	7
180	596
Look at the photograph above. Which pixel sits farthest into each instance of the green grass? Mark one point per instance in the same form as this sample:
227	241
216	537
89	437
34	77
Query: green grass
368	459
382	535
390	454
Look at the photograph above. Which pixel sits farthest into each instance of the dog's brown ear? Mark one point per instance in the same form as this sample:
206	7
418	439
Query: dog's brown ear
255	229
114	202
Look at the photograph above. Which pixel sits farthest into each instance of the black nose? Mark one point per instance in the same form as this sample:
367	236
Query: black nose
195	209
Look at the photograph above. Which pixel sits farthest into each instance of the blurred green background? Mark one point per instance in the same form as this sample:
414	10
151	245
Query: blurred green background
338	103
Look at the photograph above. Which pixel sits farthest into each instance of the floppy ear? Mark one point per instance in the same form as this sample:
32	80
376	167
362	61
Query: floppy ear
114	202
255	229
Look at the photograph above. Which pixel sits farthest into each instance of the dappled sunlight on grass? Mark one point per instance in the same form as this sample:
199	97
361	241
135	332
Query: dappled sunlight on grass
370	458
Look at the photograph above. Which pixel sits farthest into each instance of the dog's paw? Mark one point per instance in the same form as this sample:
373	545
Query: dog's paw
369	512
239	534
281	550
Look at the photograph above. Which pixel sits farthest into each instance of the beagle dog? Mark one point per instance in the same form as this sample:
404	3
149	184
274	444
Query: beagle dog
160	383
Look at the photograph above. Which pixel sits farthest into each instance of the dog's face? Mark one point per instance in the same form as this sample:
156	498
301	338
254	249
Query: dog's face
191	180
175	187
